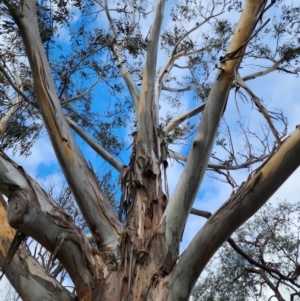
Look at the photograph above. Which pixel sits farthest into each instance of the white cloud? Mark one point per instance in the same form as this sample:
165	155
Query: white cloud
42	156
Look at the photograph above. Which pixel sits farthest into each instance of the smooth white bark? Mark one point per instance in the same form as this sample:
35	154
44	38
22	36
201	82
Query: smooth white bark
148	122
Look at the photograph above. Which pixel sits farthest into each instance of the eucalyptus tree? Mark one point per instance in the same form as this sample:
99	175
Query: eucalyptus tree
111	62
261	263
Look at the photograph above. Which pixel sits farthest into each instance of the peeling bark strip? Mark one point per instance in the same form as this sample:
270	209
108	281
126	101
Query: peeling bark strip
104	225
181	202
25	274
241	206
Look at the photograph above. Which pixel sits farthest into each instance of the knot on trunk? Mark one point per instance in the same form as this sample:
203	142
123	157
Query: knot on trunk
18	206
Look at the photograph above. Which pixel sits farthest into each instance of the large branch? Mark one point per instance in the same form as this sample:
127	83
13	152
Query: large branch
34	213
96	147
98	213
148	108
179	207
25	274
240	206
240	251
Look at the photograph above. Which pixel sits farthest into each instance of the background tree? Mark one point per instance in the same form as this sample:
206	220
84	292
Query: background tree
48	85
261	263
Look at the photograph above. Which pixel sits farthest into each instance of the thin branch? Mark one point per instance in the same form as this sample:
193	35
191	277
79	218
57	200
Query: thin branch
212	166
179	90
13	85
234	246
174	56
245	164
260	107
189	32
232	55
96	147
174	123
9	114
274	67
127	78
74	68
256	263
271	285
88	90
264	72
117	51
177	156
201	213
